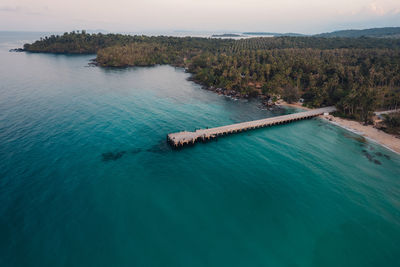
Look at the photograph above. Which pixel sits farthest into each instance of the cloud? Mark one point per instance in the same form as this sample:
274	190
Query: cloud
248	15
19	10
383	8
376	9
10	9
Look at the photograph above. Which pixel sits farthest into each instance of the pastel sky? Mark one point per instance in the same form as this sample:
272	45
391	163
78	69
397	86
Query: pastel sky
304	16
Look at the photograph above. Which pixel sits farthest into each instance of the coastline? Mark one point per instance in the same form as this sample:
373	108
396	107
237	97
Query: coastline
367	131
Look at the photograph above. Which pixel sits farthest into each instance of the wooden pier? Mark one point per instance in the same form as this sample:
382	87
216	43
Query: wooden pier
181	139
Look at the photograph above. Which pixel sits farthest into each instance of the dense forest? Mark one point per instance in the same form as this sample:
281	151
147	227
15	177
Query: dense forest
83	43
358	75
386	32
392	123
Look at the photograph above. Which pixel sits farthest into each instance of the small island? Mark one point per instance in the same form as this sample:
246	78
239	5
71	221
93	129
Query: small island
227	35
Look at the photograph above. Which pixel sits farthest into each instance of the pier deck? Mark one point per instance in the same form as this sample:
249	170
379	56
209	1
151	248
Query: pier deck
181	139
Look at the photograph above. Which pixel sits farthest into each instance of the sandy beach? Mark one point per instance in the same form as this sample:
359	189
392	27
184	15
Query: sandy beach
368	131
293	105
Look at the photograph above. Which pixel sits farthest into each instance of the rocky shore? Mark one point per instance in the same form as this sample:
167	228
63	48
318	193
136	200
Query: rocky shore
266	102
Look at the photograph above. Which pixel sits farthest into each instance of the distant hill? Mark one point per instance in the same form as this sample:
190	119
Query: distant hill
275	34
226	35
388	32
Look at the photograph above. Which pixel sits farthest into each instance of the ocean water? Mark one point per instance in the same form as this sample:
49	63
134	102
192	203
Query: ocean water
87	179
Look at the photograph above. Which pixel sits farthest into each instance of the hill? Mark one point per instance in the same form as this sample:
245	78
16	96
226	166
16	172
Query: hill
388	32
226	35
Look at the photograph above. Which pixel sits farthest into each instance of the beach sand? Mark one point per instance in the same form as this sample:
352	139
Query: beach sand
368	131
293	105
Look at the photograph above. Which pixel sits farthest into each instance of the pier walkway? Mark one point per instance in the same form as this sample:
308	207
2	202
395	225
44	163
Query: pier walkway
181	139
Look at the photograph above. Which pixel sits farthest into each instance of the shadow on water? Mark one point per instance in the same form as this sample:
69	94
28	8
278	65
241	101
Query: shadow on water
122	70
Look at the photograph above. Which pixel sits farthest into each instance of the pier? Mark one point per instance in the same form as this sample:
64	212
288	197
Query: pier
185	138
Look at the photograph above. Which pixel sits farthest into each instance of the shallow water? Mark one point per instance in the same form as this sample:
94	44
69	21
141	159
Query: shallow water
87	179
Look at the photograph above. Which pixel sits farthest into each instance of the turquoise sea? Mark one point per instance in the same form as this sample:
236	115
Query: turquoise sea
87	178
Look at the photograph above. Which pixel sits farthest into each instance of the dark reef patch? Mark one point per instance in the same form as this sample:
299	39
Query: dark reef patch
380	154
357	138
377	162
371	157
111	156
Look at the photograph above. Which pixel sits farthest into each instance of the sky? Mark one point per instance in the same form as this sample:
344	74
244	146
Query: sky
302	16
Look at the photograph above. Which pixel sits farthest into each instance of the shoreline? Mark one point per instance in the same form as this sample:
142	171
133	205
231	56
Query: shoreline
370	133
386	140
